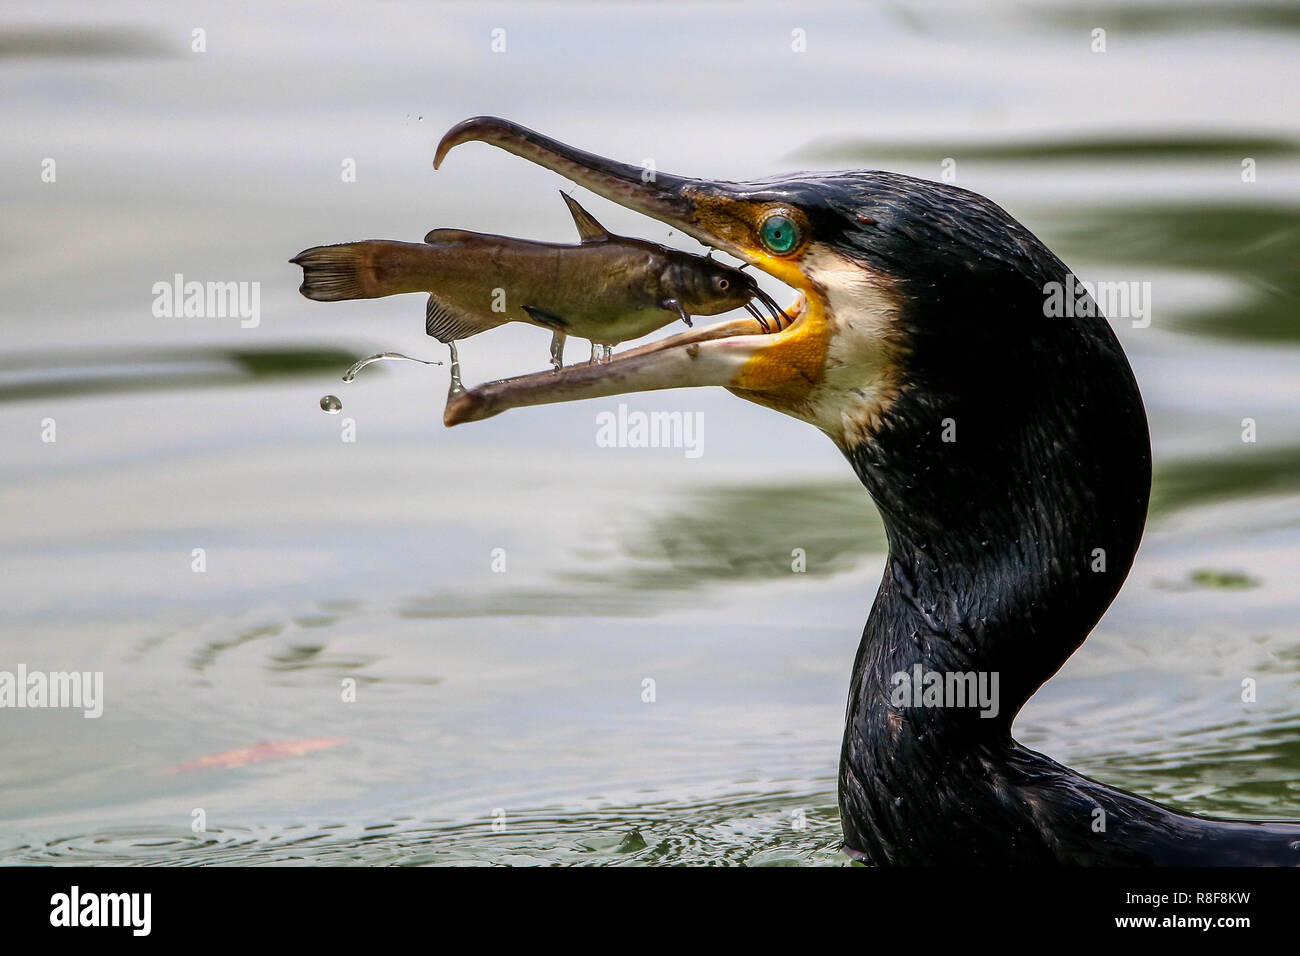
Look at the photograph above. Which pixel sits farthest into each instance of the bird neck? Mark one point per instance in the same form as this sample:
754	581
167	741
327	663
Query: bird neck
1006	543
1005	548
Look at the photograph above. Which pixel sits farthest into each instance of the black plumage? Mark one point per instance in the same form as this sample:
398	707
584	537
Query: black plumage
1006	545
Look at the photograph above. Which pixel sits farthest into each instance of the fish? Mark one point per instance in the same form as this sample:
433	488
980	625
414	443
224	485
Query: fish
605	288
256	753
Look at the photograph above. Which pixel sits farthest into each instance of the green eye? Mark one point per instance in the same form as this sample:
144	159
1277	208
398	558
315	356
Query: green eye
779	234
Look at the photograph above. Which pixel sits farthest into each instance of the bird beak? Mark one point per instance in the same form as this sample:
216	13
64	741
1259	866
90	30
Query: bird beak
774	368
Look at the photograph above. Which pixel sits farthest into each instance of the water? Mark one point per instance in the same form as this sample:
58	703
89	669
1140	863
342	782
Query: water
330	404
469	616
557	349
358	365
455	386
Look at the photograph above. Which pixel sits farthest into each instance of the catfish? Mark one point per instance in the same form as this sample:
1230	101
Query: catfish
605	288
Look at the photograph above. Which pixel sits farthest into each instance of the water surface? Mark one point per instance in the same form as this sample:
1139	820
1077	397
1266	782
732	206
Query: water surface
498	594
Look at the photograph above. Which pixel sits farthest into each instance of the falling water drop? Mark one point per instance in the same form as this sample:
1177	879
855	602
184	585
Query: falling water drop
557	349
331	405
456	386
351	373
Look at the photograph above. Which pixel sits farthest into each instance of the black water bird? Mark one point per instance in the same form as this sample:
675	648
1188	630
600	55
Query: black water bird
1007	452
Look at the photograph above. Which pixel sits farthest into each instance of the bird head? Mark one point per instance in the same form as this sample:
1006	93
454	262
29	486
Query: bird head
920	309
834	365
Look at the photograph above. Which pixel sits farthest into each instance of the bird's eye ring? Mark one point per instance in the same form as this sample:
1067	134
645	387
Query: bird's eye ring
779	233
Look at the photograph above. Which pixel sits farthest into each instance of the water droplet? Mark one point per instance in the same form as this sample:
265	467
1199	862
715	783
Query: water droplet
557	349
351	373
456	387
331	405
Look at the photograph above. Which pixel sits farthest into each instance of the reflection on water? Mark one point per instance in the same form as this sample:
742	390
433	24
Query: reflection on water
31	376
1175	18
1200	481
82	43
744	532
523	648
1127	149
1255	245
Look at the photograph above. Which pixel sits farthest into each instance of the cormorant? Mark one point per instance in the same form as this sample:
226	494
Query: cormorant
1006	450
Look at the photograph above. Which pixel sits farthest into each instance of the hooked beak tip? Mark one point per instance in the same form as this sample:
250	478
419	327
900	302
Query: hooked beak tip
454	137
659	195
488	129
463	407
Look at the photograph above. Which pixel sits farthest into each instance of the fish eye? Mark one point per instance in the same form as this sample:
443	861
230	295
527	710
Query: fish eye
779	233
721	283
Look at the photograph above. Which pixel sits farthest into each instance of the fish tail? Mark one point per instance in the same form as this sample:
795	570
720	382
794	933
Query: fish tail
363	270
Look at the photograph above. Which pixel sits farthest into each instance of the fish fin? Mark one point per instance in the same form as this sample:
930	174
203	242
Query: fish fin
450	235
335	273
676	306
447	323
548	319
589	229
